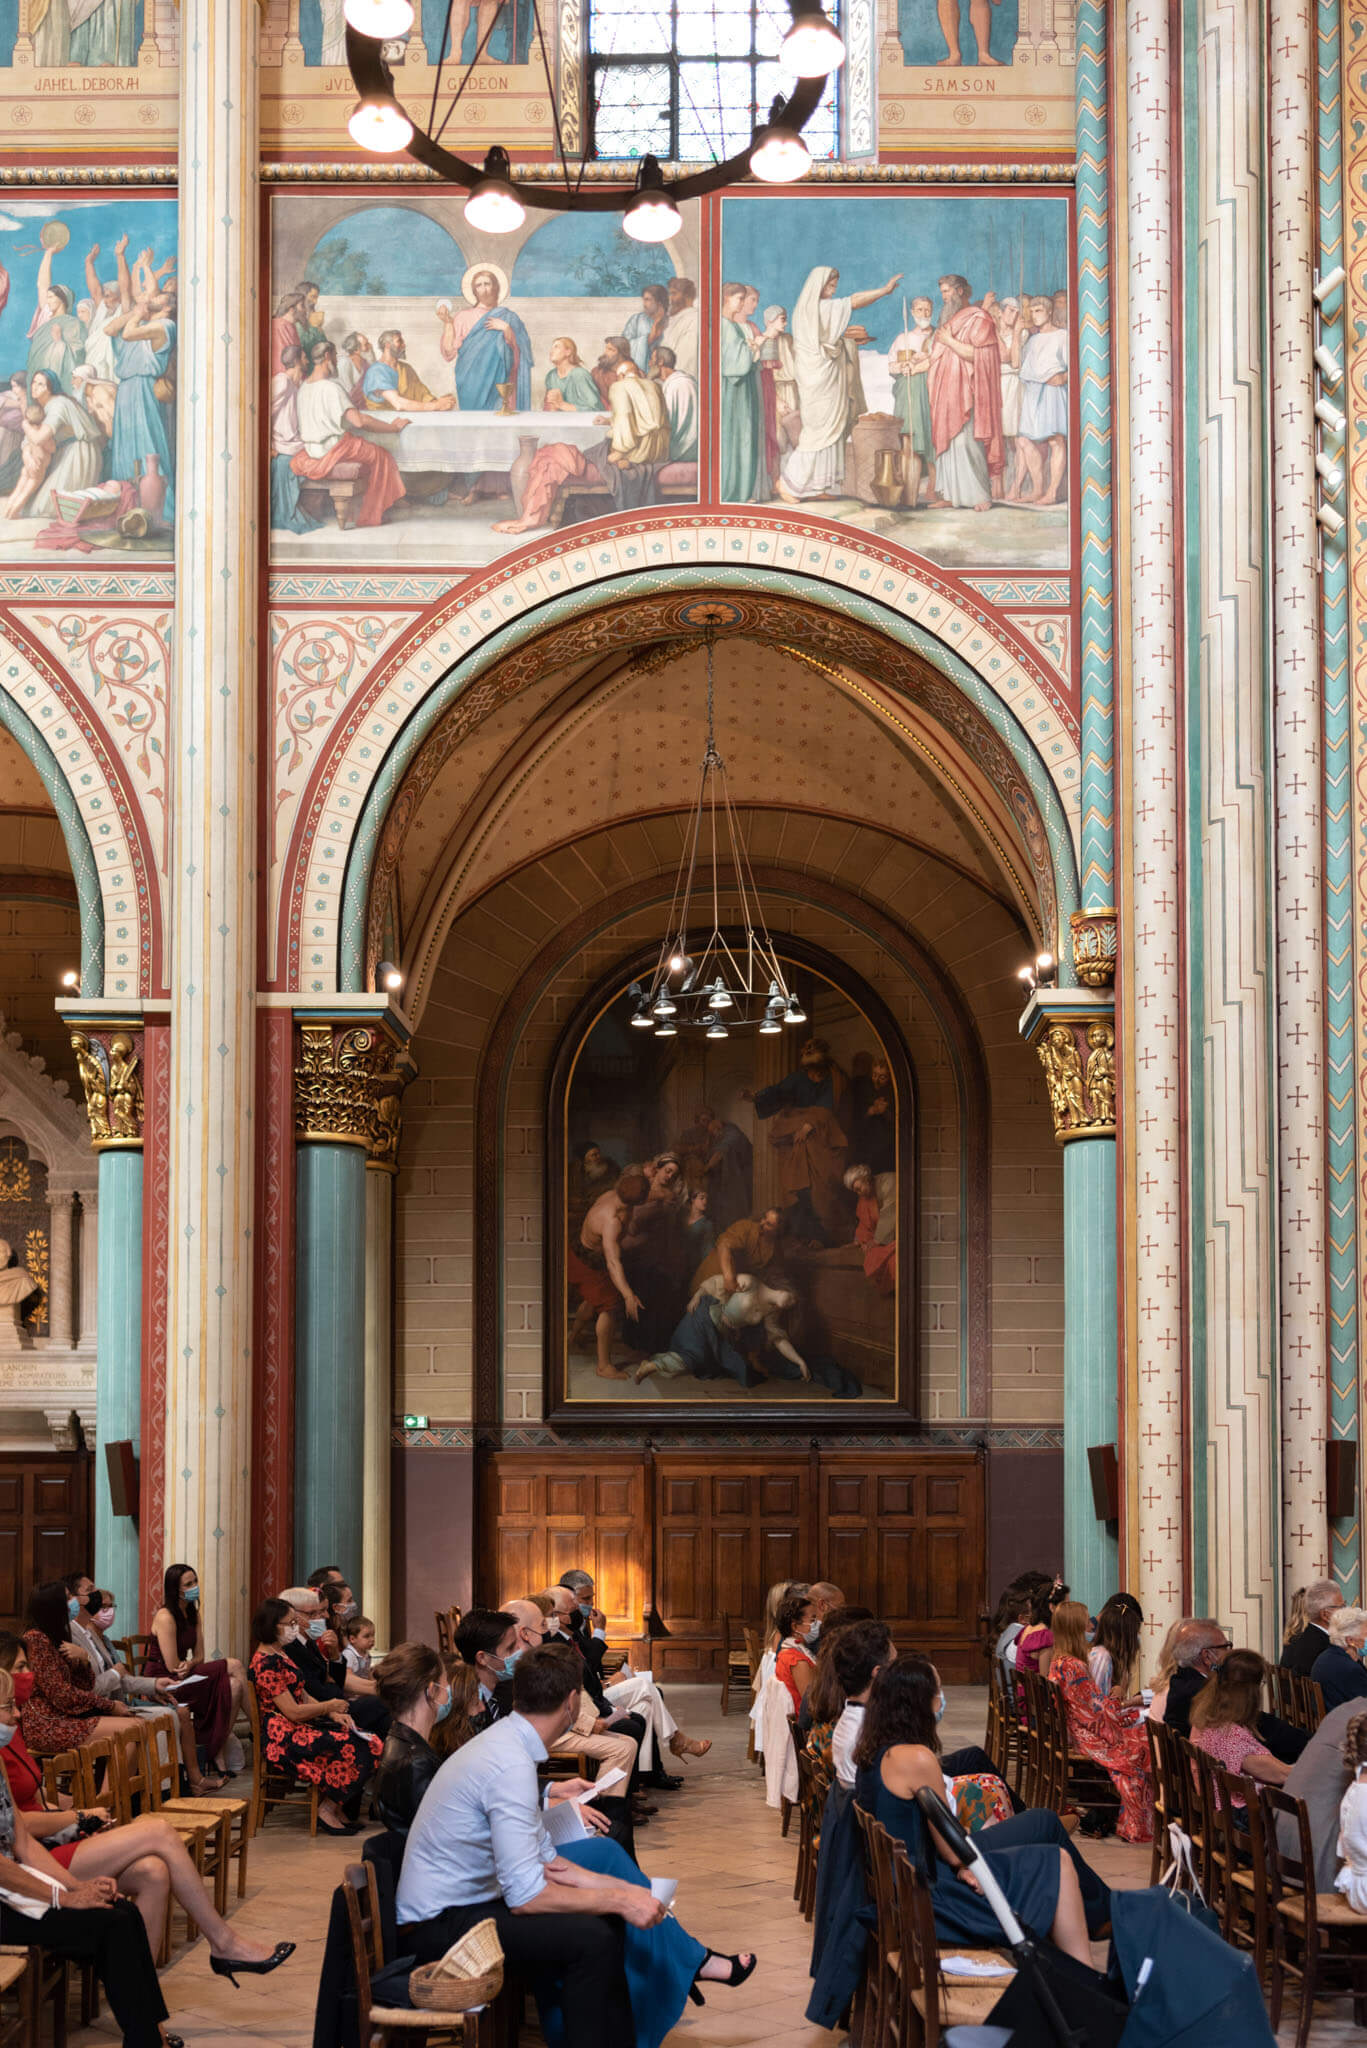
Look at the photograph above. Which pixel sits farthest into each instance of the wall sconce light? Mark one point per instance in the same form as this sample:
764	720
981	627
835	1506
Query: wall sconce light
1046	970
1325	287
71	981
1327	363
1329	416
1330	520
1328	471
388	977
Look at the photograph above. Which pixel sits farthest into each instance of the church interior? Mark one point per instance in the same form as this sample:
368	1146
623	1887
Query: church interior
683	988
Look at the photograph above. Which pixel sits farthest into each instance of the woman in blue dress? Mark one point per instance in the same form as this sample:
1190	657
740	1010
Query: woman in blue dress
144	337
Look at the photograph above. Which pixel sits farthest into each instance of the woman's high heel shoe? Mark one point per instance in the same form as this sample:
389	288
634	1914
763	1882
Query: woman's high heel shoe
228	1966
687	1745
737	1974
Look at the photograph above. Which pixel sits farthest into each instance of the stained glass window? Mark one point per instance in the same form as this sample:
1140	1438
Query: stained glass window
690	80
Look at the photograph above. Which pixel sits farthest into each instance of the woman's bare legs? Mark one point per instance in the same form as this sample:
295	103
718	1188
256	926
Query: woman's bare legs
126	1853
237	1681
1069	1931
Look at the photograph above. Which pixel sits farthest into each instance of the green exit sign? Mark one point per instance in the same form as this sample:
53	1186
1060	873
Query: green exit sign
415	1422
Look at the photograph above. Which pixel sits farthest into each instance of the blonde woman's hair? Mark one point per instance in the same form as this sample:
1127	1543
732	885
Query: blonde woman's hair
1167	1661
1355	1744
1343	1622
1296	1616
1069	1624
7	1687
774	1599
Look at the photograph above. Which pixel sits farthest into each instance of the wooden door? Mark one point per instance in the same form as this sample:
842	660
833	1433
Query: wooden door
543	1516
46	1520
725	1529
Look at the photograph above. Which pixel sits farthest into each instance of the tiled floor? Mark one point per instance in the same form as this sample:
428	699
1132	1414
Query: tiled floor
717	1837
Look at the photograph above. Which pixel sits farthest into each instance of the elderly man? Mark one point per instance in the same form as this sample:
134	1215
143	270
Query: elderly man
477	1848
391	383
321	1678
1199	1648
634	1691
611	1735
335	434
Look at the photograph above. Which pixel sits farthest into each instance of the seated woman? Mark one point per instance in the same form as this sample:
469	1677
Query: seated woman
178	1652
1113	1658
1101	1725
794	1665
414	1687
1035	1643
1224	1720
857	1656
63	1711
146	1858
1338	1670
311	1739
459	1726
150	1698
824	1700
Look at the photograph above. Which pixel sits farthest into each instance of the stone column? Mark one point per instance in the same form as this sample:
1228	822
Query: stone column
86	1269
1236	1508
213	833
61	1267
1152	833
1299	771
1074	1034
347	1087
109	1057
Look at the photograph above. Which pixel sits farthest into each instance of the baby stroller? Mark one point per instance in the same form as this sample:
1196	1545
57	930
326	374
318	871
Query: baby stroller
1173	1982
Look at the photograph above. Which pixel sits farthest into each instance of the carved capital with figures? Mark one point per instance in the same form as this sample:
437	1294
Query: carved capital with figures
1094	947
109	1061
1073	1035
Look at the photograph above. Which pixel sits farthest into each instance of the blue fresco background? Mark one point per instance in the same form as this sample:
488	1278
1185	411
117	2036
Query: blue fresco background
923	42
769	243
98	220
401	252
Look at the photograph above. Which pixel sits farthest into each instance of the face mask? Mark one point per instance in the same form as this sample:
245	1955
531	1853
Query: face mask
348	1611
940	1710
105	1617
8	1731
444	1709
23	1686
318	1626
584	1609
191	1596
813	1632
73	1608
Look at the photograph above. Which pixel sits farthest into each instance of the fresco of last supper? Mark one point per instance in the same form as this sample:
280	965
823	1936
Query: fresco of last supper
731	1212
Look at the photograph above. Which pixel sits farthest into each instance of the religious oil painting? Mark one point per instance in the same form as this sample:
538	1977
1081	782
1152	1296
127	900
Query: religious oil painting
88	327
902	364
439	396
730	1211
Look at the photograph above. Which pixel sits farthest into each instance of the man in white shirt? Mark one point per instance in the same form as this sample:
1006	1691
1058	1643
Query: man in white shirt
337	436
680	395
681	328
478	1850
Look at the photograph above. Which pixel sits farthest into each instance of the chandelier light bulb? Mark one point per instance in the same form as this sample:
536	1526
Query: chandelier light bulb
666	1028
812	47
770	1026
379	18
677	963
493	207
716	1029
662	1006
378	125
778	154
651	215
796	1013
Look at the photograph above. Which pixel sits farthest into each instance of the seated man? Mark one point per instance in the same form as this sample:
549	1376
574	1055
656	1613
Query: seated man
634	1691
1199	1646
610	1735
321	1679
477	1849
1320	1778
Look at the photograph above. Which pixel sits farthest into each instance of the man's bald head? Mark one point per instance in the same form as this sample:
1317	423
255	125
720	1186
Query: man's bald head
826	1598
562	1602
531	1623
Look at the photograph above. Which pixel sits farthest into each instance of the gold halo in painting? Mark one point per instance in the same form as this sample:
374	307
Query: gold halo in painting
467	283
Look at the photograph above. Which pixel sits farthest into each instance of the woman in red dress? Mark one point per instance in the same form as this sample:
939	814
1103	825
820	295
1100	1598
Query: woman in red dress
1105	1728
178	1652
62	1712
310	1739
797	1627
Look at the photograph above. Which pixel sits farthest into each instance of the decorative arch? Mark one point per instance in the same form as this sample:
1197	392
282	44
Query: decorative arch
22	692
923	635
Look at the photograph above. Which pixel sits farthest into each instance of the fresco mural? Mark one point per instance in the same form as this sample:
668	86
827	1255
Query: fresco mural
431	400
87	376
978	74
901	364
731	1212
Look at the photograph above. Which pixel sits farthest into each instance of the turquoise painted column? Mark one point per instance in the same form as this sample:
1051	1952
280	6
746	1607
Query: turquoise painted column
329	1356
118	1334
1073	1033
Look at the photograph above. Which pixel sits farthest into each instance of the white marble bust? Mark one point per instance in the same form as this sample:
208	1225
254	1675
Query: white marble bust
16	1282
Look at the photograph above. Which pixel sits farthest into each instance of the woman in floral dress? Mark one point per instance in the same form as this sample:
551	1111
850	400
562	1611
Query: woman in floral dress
309	1739
1103	1726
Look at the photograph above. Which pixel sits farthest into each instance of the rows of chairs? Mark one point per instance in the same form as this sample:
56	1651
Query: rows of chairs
1032	1752
1296	1699
377	2024
1255	1862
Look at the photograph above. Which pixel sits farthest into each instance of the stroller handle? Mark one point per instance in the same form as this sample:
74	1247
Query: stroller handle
946	1824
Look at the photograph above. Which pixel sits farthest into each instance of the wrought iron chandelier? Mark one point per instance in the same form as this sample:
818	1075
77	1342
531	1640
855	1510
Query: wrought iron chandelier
722	983
498	201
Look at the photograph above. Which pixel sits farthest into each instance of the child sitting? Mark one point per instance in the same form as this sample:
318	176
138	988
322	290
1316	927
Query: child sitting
359	1635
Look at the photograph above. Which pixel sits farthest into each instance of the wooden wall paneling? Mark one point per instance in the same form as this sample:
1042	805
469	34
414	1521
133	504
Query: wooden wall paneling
544	1514
46	1522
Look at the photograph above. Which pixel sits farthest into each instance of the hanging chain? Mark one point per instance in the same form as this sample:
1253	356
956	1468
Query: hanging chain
712	759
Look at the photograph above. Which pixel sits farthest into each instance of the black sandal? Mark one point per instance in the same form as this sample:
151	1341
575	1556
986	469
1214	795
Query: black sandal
737	1974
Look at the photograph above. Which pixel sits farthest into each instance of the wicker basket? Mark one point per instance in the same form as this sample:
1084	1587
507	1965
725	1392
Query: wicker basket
469	1974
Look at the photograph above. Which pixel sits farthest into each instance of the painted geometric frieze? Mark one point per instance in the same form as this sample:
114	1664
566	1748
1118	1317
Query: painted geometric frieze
1052	634
318	664
1009	702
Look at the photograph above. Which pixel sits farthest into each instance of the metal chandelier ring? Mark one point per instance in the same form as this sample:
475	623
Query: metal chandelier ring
374	80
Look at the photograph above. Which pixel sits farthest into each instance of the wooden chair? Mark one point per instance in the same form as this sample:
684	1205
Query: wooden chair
819	1782
376	2023
1309	1702
1239	1860
736	1666
272	1786
204	1835
1035	1766
443	1622
935	2001
135	1651
1166	1808
234	1816
1281	1694
1312	1932
883	2013
19	1973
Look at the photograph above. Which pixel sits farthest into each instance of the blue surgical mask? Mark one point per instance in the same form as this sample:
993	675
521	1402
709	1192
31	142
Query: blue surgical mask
191	1596
813	1632
318	1626
509	1663
8	1731
444	1709
584	1608
940	1710
73	1608
348	1611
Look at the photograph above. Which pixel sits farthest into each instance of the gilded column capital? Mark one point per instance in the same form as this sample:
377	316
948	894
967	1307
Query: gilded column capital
1074	1037
349	1076
1094	947
109	1061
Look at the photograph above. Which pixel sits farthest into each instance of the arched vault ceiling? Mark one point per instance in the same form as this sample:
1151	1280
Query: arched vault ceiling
572	754
21	786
